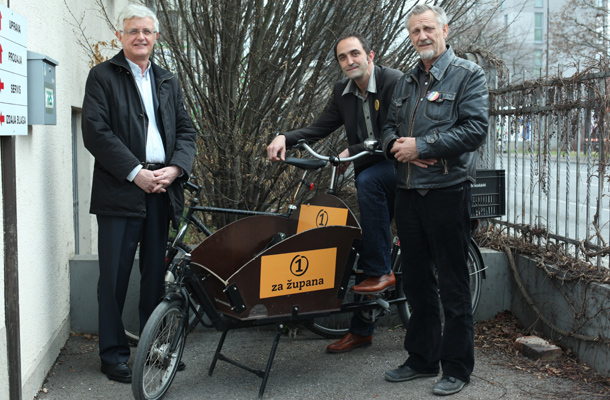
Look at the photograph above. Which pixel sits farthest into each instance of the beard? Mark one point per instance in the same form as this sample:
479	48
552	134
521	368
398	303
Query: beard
426	54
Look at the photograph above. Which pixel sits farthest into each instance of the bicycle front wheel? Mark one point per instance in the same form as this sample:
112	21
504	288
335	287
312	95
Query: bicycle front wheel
159	351
334	326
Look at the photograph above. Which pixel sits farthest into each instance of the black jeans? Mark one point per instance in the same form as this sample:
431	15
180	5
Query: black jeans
434	232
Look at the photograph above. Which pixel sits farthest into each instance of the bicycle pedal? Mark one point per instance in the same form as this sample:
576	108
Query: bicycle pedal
382	303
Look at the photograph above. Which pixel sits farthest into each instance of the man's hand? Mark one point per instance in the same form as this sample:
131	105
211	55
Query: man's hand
144	180
156	181
164	177
343	166
277	149
405	150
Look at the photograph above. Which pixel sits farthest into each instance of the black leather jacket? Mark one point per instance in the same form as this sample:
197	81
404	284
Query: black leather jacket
449	126
114	131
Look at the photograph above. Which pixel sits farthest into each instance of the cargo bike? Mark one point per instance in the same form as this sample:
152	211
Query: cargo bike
266	269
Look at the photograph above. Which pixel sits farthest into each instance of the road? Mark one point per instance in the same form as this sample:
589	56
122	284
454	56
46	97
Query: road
564	199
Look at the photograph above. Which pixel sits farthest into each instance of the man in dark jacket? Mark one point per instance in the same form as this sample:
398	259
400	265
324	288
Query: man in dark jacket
359	102
437	120
136	126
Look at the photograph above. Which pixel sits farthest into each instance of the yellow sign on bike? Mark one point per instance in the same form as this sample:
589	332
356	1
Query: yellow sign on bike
300	272
320	216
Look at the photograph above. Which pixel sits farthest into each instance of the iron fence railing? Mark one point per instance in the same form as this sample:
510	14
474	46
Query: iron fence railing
551	138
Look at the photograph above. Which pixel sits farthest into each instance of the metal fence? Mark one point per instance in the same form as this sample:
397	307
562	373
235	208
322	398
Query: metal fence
551	138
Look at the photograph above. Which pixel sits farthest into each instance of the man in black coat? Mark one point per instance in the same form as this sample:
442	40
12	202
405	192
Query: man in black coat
359	102
136	126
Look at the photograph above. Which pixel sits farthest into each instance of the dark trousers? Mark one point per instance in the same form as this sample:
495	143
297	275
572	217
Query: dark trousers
434	232
117	243
376	190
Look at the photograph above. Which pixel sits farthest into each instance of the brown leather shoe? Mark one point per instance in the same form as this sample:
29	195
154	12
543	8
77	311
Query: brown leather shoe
349	342
375	284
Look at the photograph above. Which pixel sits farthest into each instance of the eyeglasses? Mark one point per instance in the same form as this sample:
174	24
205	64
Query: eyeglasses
136	32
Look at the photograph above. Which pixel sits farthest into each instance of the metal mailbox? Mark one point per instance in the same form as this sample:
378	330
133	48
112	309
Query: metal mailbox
42	93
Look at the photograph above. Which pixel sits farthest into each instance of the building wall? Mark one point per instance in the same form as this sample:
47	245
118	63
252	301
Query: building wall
520	52
44	175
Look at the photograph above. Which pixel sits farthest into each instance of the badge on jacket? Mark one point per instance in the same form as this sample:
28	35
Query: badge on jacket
432	96
377	105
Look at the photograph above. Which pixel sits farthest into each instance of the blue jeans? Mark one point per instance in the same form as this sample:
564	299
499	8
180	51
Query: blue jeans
376	190
434	232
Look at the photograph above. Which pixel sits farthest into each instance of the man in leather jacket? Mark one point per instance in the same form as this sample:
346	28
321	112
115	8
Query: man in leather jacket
360	103
438	118
136	126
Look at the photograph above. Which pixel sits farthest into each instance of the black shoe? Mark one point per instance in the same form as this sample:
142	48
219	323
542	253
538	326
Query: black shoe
181	366
405	373
448	385
117	372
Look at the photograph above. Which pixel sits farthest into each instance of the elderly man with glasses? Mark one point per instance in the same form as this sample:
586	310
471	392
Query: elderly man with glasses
136	125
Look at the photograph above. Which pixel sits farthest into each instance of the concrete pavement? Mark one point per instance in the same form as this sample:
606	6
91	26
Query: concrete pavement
301	370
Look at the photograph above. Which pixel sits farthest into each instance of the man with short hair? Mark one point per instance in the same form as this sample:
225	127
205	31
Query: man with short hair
438	118
360	103
136	125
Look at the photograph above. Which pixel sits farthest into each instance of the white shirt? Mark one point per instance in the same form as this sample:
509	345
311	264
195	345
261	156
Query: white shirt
155	153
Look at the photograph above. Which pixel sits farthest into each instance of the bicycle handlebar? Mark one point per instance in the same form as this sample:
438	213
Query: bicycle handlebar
191	187
370	149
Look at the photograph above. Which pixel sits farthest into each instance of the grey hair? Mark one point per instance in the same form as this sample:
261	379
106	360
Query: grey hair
136	11
441	15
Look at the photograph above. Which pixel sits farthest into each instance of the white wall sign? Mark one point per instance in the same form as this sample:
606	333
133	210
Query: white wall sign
13	73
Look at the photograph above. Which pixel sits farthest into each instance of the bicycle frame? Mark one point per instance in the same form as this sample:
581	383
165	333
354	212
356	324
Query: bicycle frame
224	295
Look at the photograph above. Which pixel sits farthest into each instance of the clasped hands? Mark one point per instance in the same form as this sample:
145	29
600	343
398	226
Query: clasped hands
404	150
156	181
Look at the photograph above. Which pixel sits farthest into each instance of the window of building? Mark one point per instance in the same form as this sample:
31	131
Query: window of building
502	5
538	3
538	28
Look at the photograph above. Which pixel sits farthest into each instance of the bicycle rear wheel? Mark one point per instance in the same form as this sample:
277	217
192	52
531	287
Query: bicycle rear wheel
337	325
334	326
404	312
159	351
475	268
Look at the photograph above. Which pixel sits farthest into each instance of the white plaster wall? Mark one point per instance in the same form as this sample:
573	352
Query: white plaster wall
44	190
